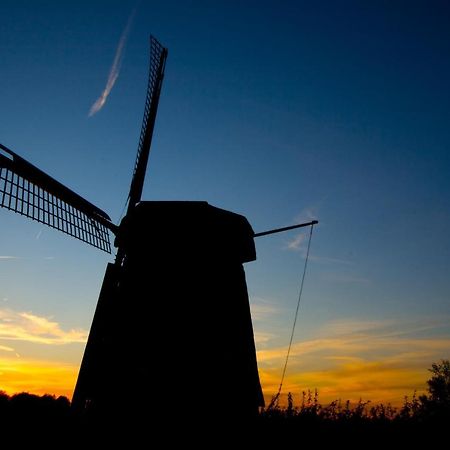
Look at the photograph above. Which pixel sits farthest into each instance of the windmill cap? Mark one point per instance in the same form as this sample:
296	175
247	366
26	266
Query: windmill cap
187	230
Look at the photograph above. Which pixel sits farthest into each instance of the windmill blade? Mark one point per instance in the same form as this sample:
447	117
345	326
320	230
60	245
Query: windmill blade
27	190
158	55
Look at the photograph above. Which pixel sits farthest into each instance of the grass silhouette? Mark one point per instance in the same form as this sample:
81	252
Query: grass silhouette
424	418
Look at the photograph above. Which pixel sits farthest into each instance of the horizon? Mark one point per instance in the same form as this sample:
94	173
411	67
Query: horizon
282	112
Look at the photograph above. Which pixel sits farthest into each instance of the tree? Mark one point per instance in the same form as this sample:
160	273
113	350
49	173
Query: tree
437	403
439	383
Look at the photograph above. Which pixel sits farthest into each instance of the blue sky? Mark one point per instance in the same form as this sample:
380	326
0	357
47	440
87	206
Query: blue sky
281	111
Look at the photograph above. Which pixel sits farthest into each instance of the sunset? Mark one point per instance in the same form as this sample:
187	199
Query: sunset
275	113
349	360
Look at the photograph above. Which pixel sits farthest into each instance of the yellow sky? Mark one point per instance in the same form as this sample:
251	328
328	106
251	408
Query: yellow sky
37	355
378	361
37	376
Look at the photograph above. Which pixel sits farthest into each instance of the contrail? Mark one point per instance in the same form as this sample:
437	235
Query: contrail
115	68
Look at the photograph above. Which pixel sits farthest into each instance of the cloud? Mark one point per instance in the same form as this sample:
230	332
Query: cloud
378	360
298	241
262	312
115	69
307	214
39	376
383	328
262	309
15	258
261	338
26	326
295	244
346	339
4	348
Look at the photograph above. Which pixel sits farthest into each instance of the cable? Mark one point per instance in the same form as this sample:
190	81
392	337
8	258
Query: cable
276	397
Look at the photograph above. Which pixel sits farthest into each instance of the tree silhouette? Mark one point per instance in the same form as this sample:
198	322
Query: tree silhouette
436	405
439	383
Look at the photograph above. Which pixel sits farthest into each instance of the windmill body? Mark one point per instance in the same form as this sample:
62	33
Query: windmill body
173	319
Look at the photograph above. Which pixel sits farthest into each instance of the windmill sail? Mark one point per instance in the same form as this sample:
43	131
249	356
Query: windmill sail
27	190
158	55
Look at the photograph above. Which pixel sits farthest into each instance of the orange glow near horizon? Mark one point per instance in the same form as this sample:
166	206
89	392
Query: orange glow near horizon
353	381
380	362
37	377
377	361
374	382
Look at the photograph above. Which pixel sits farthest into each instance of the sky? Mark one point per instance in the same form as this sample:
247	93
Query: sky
283	111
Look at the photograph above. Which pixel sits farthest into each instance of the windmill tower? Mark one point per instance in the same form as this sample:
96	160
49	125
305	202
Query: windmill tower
173	317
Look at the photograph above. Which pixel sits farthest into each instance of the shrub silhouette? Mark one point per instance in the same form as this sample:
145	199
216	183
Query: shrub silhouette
436	405
426	415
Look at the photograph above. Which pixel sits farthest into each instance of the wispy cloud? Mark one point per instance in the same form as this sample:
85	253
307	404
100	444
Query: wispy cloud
23	258
351	338
295	244
307	214
262	338
386	327
5	348
20	373
262	309
26	326
298	241
115	68
377	360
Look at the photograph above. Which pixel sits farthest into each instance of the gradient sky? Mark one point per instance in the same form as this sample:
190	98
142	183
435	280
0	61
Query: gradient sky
281	111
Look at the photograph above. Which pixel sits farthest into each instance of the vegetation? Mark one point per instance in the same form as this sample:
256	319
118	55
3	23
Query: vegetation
423	417
434	406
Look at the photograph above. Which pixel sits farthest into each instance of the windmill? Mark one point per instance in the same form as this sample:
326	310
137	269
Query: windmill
173	315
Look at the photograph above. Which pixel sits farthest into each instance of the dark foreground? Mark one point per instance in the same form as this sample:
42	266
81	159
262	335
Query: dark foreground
29	420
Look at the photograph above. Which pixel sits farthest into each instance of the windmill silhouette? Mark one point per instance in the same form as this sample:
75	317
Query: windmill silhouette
173	318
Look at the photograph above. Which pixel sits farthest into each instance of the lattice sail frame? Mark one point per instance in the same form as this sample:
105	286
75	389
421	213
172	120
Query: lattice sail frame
27	190
158	56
